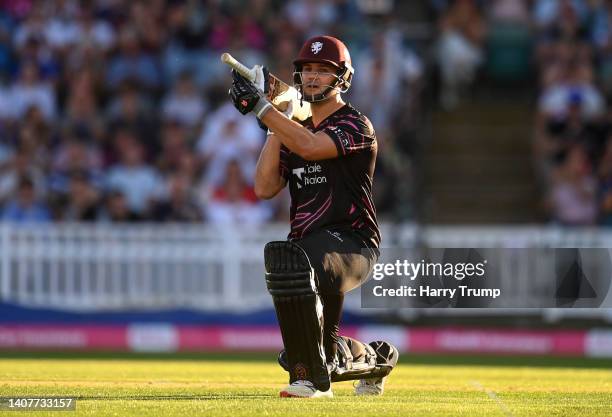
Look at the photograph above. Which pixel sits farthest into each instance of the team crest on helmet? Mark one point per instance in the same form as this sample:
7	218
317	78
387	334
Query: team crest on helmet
316	47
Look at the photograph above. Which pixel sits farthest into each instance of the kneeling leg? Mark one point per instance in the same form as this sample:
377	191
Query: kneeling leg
291	281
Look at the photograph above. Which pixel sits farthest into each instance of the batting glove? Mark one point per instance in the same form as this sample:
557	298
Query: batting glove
262	79
248	98
288	112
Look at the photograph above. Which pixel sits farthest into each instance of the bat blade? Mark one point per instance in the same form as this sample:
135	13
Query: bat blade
280	93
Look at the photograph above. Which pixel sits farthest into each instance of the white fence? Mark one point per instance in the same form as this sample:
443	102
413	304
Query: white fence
84	267
103	267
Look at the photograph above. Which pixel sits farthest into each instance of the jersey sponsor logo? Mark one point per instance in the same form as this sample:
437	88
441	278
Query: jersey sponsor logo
316	47
309	175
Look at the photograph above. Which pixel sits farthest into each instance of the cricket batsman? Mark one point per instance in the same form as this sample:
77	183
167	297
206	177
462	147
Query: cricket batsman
328	161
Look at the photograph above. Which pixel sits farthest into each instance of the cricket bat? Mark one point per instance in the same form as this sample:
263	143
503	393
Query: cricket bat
280	93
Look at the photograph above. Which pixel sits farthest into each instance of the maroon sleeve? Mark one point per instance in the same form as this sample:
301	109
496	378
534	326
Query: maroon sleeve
352	135
283	164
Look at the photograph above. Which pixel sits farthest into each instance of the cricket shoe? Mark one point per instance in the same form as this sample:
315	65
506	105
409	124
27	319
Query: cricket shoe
370	386
304	389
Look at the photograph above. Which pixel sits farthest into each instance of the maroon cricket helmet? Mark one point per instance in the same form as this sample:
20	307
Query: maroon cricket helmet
326	50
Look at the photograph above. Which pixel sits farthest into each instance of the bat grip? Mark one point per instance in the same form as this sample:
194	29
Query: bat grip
238	66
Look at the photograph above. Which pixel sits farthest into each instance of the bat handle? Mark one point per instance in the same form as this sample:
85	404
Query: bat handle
238	66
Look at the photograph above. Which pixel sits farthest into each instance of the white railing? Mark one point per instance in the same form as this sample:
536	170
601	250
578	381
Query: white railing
84	267
114	267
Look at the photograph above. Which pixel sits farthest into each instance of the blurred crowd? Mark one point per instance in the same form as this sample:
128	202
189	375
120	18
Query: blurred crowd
571	44
117	111
573	53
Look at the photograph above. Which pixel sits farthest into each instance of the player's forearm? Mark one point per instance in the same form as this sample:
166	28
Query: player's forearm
293	135
268	181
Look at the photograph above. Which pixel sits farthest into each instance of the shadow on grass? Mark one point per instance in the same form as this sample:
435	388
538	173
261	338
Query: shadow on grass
270	357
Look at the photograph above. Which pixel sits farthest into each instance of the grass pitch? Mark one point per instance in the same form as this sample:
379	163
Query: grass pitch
248	385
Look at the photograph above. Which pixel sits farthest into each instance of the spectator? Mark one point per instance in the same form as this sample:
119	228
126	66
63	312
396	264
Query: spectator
605	186
137	181
601	35
75	155
21	165
573	191
389	73
132	63
116	209
548	14
61	29
132	111
82	202
31	91
94	32
32	27
35	136
35	51
460	48
174	146
81	110
190	167
281	60
510	11
24	207
184	103
234	201
146	17
187	26
576	86
179	206
311	17
229	136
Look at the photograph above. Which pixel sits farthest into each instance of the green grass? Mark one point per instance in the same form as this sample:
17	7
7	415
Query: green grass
248	385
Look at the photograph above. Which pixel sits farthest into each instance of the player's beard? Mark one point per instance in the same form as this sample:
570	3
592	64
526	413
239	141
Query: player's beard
313	96
321	103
